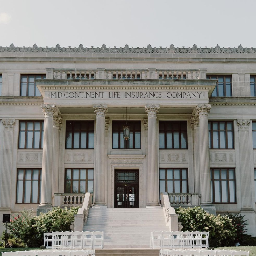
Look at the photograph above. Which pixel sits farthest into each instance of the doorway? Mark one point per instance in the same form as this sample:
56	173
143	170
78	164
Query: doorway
126	188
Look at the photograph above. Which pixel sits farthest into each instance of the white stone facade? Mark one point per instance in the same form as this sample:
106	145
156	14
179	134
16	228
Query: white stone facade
152	85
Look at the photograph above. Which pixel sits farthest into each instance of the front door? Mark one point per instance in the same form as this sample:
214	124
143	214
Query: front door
126	188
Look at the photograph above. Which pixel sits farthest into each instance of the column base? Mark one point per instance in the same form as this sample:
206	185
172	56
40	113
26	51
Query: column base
153	204
43	208
209	208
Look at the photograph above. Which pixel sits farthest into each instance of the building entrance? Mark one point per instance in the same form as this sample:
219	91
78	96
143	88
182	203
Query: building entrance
127	189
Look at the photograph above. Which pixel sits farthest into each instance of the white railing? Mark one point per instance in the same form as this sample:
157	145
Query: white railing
51	253
184	199
171	218
74	240
167	252
124	74
68	199
82	214
179	239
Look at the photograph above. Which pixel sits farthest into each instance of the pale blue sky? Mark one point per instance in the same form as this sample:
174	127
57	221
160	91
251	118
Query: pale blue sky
133	22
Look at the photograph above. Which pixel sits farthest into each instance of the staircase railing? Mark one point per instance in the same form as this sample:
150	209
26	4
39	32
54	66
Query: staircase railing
82	214
171	218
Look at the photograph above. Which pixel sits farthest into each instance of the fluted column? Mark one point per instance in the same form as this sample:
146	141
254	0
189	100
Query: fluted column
204	158
153	155
245	164
196	137
99	172
7	162
47	162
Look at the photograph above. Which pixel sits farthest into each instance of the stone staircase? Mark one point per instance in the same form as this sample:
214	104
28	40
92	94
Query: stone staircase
124	227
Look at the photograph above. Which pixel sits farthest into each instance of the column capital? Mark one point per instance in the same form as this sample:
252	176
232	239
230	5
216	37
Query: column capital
243	124
152	110
57	121
203	109
100	110
49	110
194	119
8	123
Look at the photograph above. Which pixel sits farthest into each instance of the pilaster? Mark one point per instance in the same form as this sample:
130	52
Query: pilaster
100	157
153	156
7	162
245	164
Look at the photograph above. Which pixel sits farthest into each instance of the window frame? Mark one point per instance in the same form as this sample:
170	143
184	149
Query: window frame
216	77
211	132
26	133
117	126
42	76
24	185
79	180
220	184
166	131
1	84
173	180
253	85
253	135
255	183
89	127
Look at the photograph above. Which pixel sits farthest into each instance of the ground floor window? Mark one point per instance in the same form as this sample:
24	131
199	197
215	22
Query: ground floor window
78	180
173	180
223	184
28	186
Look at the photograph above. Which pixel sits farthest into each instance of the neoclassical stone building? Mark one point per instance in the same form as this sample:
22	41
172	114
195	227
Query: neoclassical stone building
127	124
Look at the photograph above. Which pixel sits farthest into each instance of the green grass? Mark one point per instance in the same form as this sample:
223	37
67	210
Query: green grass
16	249
251	249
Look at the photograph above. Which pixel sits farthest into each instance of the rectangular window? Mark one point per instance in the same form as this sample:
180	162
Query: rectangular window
223	87
31	134
173	135
255	183
253	85
173	181
254	134
223	184
118	140
28	186
221	134
78	180
1	81
28	85
79	134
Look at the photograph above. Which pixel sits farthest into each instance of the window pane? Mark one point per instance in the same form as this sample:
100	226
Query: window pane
217	191
75	174
183	140
162	186
161	140
184	187
35	191
137	140
176	140
232	191
176	174
23	90
162	174
75	187
22	140
131	141
35	175
27	192
90	187
19	191
90	174
230	140
121	139
224	191
31	87
76	139
184	174
223	174
37	139
216	174
177	186
69	140
169	174
115	140
83	174
83	140
170	186
82	186
29	139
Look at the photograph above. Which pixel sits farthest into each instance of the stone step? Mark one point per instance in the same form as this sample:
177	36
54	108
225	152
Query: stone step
127	252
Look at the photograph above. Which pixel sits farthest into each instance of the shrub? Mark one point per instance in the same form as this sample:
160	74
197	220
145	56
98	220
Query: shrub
221	230
30	229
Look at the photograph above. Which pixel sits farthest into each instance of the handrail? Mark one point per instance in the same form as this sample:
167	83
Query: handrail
171	218
82	214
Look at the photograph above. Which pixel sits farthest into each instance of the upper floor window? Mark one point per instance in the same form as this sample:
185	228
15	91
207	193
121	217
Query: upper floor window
173	180
31	134
79	134
223	185
173	135
79	180
28	186
118	135
28	85
255	183
253	85
254	134
1	85
223	87
221	134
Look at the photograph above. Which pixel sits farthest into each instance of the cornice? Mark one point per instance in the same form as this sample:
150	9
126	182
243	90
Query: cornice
131	50
20	101
233	101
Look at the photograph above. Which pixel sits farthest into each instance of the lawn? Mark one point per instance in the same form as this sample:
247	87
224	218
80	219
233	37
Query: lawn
251	249
15	249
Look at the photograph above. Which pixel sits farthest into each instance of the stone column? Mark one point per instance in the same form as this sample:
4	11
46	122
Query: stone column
204	158
196	137
7	163
99	171
57	123
153	155
47	162
245	160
